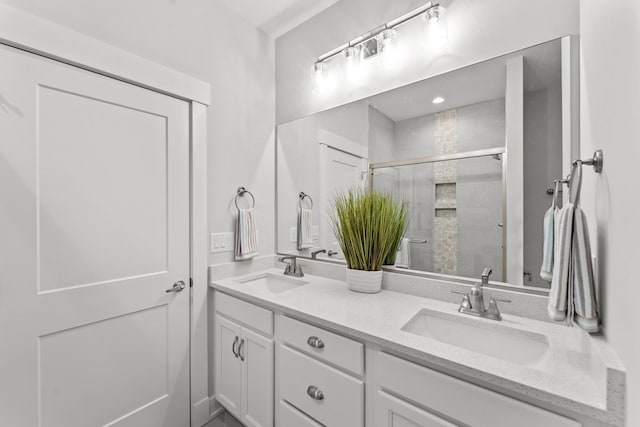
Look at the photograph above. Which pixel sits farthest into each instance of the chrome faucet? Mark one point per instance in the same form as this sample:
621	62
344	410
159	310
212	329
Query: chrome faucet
314	254
473	303
292	268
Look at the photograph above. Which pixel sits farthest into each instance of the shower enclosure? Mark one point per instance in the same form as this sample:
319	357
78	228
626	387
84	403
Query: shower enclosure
457	209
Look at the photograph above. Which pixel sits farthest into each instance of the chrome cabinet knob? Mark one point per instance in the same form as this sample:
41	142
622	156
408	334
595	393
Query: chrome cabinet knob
315	393
177	287
315	342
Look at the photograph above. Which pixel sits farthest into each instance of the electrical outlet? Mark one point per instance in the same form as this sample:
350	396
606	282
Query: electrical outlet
315	232
293	234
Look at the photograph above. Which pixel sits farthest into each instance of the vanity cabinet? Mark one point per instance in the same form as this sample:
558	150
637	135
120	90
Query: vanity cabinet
244	360
320	377
447	401
393	412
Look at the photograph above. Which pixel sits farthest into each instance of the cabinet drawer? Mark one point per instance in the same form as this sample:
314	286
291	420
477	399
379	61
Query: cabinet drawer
342	402
394	412
291	417
251	315
459	400
333	348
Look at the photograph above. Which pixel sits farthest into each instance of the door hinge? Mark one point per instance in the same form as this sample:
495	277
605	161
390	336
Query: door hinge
190	282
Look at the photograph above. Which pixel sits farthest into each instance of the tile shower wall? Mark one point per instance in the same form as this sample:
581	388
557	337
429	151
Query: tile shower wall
457	205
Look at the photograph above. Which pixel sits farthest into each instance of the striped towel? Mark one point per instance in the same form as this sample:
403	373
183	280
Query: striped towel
246	235
572	296
305	237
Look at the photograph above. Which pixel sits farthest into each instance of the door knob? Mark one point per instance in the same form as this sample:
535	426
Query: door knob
177	287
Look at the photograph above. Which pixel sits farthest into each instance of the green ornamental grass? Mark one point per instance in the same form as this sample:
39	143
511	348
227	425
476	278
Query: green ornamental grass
369	226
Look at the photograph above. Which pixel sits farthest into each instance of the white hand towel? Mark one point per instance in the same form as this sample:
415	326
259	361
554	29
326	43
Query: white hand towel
403	258
246	235
546	270
305	236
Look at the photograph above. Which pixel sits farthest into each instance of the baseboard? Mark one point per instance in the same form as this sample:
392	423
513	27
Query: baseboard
200	413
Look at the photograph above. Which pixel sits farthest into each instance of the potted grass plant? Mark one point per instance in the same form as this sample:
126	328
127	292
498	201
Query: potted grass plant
369	226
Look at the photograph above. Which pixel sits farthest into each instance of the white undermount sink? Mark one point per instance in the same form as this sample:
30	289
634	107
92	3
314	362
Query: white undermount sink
491	339
274	283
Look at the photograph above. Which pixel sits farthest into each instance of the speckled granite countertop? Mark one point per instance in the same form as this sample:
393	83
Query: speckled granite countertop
583	375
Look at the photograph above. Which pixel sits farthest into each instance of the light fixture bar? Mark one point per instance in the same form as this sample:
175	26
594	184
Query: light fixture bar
374	32
410	15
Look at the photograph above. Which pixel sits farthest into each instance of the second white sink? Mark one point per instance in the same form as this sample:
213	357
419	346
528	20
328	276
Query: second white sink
492	339
274	283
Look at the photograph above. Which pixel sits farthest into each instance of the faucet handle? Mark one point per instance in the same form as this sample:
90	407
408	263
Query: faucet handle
465	304
493	310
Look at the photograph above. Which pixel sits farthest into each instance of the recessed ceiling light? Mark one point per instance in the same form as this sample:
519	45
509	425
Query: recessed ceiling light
438	100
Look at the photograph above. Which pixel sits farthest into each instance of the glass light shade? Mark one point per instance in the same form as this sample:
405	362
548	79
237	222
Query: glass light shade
436	30
353	63
319	78
388	46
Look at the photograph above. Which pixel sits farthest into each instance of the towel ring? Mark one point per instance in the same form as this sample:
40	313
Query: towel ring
240	193
303	196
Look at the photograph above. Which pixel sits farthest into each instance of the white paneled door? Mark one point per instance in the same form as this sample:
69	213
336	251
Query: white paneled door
341	171
94	228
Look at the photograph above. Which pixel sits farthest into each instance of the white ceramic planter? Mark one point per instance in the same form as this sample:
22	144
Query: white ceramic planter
368	282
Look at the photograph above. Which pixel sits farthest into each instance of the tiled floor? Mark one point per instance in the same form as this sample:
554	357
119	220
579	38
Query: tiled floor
223	420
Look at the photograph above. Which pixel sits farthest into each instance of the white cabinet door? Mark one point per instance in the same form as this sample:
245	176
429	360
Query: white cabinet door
94	226
394	412
228	372
257	379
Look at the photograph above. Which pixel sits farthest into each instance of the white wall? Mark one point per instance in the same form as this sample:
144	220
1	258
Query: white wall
478	30
203	39
610	92
298	152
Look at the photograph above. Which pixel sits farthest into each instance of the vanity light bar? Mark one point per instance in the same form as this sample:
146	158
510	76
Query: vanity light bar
376	31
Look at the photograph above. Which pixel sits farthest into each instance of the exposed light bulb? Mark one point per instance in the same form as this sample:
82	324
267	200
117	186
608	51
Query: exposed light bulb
438	100
319	78
353	63
389	47
436	30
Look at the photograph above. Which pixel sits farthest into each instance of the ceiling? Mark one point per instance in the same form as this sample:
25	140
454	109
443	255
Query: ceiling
276	17
470	85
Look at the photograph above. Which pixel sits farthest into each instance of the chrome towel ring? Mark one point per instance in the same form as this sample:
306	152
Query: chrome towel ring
303	196
240	193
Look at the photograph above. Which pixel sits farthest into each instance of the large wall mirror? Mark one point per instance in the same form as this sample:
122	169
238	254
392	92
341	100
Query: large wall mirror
474	152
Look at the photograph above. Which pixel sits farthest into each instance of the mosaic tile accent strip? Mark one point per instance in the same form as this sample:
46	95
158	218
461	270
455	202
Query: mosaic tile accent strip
445	254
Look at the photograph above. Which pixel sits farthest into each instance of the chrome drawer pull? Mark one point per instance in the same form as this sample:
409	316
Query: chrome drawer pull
240	347
315	393
315	342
